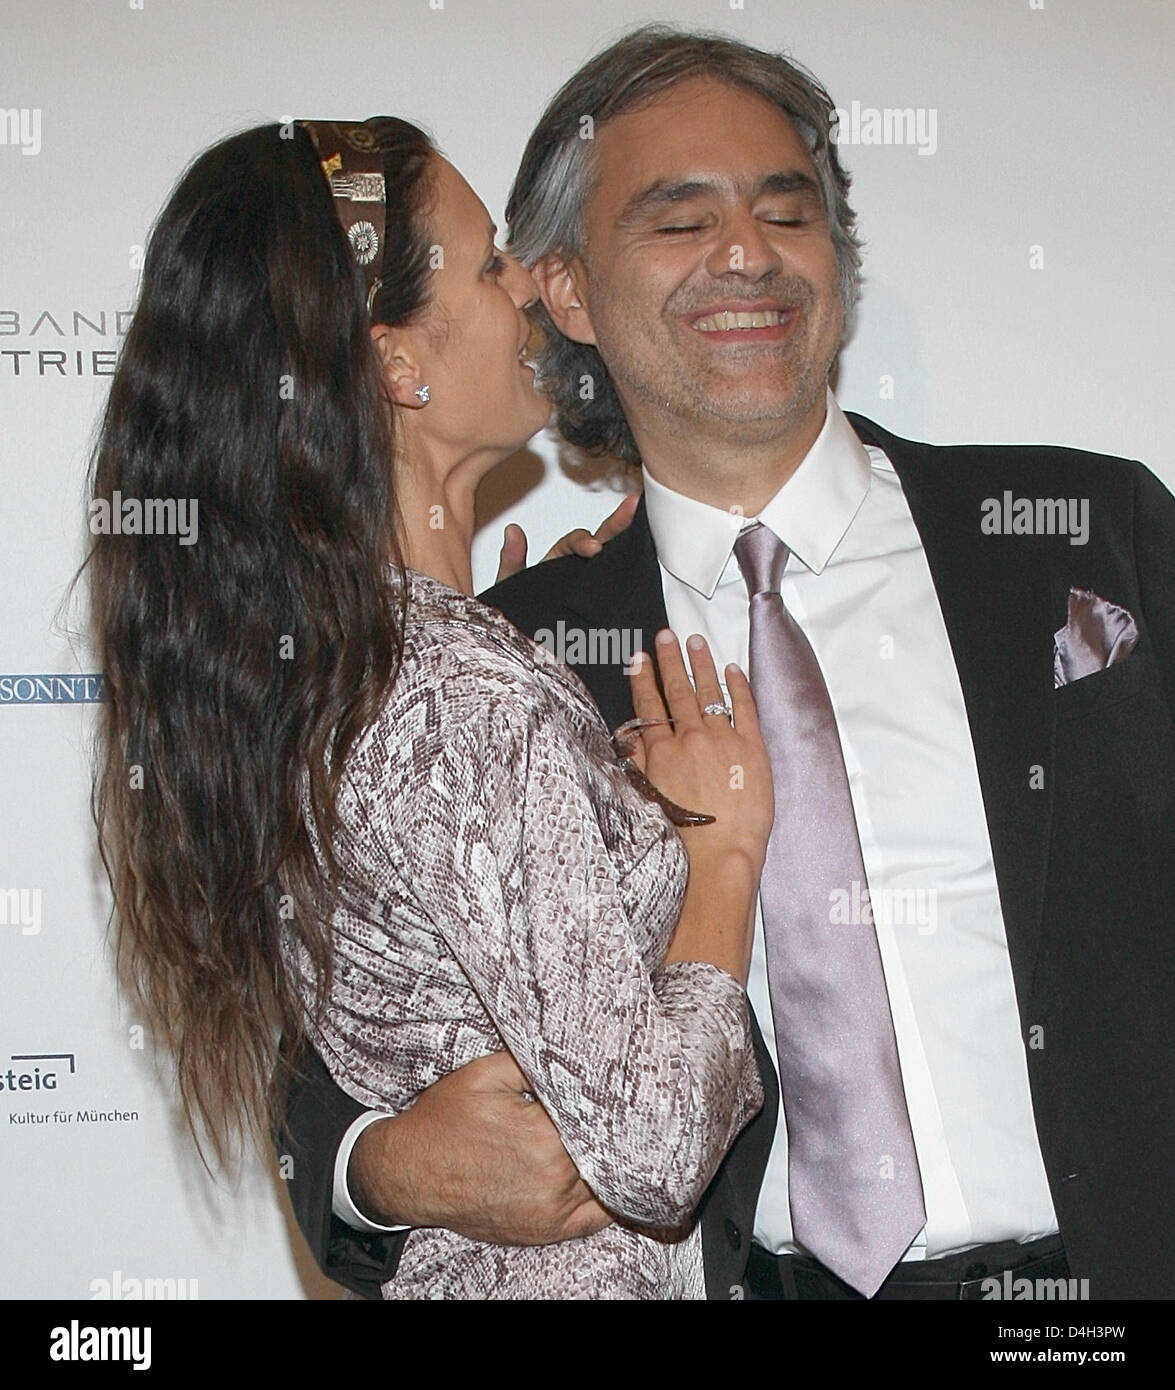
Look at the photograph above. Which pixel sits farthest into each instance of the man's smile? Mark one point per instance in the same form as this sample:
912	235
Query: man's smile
744	321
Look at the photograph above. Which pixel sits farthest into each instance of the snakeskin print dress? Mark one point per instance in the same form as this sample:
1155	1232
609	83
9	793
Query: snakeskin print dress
505	886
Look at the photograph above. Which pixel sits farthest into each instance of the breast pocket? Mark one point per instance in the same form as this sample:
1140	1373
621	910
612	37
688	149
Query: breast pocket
1115	745
1099	692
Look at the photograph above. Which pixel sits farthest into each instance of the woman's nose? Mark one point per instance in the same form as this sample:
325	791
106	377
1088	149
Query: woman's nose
524	289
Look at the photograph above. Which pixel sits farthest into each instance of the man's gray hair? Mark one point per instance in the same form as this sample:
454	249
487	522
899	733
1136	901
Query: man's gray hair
547	204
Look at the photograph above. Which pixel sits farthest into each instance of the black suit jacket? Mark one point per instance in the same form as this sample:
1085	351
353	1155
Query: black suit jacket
1078	786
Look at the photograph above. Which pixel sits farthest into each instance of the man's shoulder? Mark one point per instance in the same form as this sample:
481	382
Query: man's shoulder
548	576
529	597
1035	464
604	583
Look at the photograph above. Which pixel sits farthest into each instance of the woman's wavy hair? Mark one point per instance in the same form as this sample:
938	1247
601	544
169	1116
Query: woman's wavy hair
239	670
547	204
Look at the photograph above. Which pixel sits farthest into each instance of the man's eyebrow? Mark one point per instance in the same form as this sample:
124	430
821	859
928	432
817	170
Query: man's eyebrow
663	193
791	181
668	192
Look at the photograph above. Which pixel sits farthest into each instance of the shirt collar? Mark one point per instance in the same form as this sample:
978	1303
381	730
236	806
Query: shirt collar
810	513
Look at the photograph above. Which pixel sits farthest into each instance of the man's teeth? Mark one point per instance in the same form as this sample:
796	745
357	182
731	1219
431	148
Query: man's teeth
723	322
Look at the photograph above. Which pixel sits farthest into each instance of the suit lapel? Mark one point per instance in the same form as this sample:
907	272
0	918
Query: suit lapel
992	591
620	588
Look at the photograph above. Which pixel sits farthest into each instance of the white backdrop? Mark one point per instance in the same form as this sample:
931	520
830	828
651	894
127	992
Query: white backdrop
1019	288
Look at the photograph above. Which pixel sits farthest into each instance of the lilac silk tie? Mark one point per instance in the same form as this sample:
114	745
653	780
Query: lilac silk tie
853	1179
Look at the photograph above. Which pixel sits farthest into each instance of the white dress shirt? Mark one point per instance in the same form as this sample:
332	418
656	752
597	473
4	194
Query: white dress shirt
858	584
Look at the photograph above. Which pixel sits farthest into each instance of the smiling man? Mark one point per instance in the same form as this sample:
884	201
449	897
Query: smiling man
715	295
979	723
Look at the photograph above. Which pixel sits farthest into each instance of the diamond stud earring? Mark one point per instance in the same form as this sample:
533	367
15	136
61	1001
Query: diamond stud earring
422	395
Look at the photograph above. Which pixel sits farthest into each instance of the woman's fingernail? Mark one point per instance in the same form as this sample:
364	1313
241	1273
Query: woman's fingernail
638	661
695	643
665	637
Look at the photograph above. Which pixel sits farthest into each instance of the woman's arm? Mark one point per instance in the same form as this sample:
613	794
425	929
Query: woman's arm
648	1078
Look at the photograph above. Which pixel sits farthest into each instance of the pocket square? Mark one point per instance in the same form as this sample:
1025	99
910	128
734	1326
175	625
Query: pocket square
1098	634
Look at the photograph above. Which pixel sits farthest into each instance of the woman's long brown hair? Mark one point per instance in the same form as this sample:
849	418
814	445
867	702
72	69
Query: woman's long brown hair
241	668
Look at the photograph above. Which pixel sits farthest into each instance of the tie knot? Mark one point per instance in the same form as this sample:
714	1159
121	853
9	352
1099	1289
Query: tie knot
762	557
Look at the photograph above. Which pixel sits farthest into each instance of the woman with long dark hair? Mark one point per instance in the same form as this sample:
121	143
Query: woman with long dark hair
342	802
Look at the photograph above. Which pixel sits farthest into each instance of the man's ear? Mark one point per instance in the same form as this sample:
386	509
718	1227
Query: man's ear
563	286
399	366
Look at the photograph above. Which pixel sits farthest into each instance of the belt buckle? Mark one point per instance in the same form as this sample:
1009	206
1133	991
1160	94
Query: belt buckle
971	1289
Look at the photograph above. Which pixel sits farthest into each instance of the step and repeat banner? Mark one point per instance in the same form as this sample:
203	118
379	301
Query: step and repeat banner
1014	179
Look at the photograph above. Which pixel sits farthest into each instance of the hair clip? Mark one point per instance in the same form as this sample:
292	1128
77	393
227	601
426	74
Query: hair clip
357	187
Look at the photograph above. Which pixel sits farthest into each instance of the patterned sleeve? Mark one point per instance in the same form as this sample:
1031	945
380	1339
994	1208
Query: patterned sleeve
647	1078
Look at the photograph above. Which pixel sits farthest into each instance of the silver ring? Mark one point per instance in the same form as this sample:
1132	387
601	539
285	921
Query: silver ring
719	709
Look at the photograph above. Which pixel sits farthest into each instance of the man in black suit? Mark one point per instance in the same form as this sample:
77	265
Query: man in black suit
996	628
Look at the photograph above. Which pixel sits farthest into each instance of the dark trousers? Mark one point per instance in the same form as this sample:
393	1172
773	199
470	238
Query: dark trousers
963	1276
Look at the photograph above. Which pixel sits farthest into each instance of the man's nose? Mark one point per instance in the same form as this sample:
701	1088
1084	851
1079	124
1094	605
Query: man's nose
522	285
743	247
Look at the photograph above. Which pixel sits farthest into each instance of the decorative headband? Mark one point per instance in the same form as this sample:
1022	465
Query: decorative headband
353	165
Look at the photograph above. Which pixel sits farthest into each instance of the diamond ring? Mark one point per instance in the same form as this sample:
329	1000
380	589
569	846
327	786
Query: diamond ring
719	709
